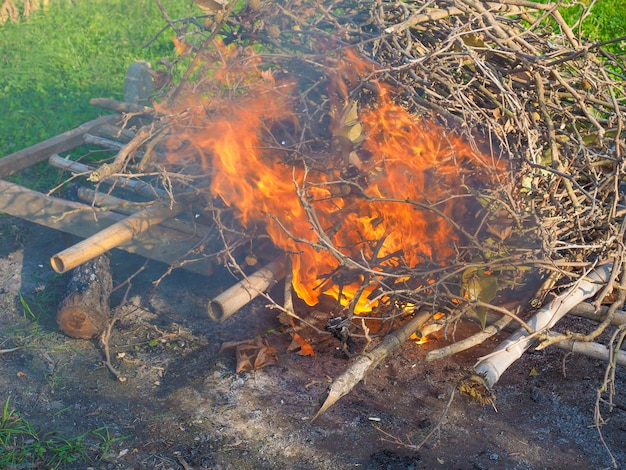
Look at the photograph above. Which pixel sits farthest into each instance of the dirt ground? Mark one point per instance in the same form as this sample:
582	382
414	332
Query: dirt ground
183	406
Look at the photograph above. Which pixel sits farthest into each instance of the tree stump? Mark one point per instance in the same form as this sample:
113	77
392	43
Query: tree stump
84	311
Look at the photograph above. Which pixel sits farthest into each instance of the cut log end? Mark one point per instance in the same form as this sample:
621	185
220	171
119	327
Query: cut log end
76	323
475	387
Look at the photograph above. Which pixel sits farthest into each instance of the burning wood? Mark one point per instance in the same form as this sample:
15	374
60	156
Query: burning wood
442	162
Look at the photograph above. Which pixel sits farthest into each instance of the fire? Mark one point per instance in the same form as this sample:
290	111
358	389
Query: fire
397	215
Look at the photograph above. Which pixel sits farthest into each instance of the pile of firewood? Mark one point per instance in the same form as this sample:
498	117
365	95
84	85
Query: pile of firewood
539	109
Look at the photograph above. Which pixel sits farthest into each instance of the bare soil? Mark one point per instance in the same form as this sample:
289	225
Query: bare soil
183	406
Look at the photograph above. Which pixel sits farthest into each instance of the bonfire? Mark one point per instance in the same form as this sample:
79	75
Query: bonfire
404	166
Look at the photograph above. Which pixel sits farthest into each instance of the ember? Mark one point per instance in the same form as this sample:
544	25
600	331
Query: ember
397	209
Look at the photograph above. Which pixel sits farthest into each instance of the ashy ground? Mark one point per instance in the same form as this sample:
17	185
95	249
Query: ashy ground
183	406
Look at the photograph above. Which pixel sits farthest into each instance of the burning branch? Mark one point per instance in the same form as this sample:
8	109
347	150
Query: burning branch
445	161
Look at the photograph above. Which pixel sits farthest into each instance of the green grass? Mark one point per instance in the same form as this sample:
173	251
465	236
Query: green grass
603	21
21	446
54	62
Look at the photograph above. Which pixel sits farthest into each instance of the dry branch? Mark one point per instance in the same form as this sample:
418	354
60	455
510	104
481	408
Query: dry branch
594	350
343	384
470	342
135	185
591	312
122	106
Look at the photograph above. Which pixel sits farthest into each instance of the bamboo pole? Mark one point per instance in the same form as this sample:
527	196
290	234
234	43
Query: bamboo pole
113	236
159	243
488	369
231	300
343	384
128	208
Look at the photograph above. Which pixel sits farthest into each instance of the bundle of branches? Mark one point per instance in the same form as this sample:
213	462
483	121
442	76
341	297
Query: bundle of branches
406	156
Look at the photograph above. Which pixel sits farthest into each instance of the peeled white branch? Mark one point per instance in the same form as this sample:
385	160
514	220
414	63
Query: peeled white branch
489	368
595	350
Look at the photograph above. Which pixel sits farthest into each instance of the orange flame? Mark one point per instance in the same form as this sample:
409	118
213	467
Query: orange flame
409	165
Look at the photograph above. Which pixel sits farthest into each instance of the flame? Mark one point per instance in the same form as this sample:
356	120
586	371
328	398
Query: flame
400	214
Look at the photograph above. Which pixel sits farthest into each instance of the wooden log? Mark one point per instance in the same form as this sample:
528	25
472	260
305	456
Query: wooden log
138	82
231	300
160	244
39	152
113	236
84	311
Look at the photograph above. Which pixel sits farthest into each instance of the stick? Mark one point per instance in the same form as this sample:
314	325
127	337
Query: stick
489	368
595	350
135	185
228	302
103	142
113	236
122	156
57	144
343	384
470	342
589	311
121	106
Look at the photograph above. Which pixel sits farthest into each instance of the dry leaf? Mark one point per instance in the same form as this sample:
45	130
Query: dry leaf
298	342
502	231
212	6
252	354
348	125
182	47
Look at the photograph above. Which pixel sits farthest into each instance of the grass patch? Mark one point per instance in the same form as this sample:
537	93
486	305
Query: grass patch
21	446
54	62
595	21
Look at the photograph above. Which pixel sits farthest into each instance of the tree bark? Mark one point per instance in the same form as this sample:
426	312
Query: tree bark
84	311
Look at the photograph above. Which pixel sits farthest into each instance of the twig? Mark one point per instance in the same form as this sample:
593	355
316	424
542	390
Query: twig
470	342
435	429
105	339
